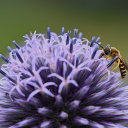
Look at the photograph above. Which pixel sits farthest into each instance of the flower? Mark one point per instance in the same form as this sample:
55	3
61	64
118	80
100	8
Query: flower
59	82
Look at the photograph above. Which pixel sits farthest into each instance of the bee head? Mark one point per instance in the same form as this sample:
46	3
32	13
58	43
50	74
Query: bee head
107	50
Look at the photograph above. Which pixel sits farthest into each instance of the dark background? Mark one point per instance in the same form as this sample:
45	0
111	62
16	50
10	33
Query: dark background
105	18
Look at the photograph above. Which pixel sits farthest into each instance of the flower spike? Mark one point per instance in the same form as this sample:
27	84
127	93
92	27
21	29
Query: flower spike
5	59
91	43
98	39
67	39
62	33
19	57
71	46
80	35
48	33
9	48
94	52
3	73
110	63
75	32
14	42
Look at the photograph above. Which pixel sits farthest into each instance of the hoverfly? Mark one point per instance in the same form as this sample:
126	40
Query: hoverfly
112	53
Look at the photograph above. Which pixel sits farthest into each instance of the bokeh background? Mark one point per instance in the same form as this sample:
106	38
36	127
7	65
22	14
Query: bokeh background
105	18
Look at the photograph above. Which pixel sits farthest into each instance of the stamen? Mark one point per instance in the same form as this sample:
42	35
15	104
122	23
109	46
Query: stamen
30	71
94	52
62	33
91	43
9	48
26	36
110	63
4	74
107	46
98	39
75	35
75	32
80	35
48	33
19	57
71	46
5	59
17	46
67	40
77	61
74	41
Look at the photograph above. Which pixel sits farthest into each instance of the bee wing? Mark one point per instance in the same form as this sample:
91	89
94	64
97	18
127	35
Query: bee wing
124	62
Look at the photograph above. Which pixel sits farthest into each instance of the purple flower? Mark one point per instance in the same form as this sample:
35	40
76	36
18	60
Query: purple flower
59	82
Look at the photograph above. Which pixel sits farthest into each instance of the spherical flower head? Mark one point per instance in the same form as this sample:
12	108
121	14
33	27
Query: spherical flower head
60	82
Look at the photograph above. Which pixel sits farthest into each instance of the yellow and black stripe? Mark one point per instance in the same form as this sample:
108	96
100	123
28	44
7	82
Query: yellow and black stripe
122	69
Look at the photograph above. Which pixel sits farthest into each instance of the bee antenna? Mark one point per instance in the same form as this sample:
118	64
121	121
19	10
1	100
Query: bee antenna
99	45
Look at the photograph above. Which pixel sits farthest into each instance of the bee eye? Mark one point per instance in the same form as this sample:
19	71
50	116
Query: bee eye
107	51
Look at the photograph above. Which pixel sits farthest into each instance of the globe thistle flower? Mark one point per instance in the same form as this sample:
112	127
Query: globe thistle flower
60	82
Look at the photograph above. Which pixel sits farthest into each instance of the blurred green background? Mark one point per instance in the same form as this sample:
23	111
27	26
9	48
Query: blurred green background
107	19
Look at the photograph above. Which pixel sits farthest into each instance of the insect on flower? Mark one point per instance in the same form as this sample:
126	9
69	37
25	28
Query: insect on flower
112	53
56	81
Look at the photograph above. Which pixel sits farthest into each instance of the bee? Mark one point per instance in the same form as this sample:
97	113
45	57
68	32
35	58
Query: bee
112	53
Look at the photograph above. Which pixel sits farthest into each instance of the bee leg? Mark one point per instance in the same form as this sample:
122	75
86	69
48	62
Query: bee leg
107	57
117	65
113	63
102	54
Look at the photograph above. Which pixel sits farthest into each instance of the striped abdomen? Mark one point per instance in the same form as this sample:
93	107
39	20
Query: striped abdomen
122	69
